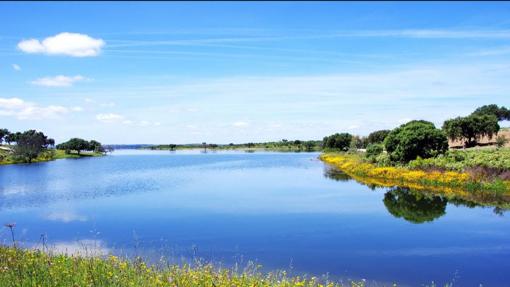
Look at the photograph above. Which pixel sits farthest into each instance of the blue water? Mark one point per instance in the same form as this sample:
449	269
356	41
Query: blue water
281	210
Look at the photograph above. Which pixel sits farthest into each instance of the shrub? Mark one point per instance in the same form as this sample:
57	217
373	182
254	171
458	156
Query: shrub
501	141
373	150
415	139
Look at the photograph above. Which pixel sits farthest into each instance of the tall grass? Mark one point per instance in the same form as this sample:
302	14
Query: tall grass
36	268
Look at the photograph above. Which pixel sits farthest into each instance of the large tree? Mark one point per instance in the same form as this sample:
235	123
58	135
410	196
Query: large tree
415	139
29	145
377	137
471	128
75	144
501	113
337	141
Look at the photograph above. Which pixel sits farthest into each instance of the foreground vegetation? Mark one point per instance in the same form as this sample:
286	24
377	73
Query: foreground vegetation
36	268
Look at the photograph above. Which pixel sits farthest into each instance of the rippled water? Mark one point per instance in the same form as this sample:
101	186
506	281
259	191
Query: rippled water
282	210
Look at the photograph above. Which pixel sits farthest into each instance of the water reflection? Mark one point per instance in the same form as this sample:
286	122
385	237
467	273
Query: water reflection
413	206
423	205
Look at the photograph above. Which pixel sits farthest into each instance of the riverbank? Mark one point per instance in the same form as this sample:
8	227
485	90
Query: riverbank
455	182
48	155
35	268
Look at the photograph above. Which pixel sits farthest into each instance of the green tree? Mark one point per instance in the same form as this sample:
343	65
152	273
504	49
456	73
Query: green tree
501	113
373	150
75	144
415	139
358	142
309	145
414	207
12	137
29	145
377	136
337	141
3	133
471	128
95	146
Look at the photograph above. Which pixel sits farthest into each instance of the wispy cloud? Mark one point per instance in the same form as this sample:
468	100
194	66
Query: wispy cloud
68	44
111	118
400	33
16	67
23	110
58	81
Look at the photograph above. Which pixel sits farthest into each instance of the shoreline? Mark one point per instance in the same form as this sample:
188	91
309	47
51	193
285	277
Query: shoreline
447	182
59	154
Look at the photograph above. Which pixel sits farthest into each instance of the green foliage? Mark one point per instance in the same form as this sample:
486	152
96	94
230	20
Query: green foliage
501	113
373	150
414	207
471	128
377	136
415	139
460	160
3	133
29	145
80	145
358	142
35	268
337	141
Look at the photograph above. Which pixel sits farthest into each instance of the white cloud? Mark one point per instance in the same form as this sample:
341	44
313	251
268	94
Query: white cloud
16	67
77	109
69	44
240	124
110	118
58	81
65	216
23	110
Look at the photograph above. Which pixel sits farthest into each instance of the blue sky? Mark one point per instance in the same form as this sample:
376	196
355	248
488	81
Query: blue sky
178	72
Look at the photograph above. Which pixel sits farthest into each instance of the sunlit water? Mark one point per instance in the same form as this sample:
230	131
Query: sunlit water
278	209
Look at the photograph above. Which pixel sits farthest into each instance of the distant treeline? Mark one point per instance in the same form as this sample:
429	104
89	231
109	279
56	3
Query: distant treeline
283	145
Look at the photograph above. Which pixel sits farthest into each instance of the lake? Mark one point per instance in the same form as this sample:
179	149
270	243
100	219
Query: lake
281	210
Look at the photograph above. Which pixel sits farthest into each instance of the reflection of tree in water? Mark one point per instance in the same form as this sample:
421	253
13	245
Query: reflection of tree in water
336	174
414	207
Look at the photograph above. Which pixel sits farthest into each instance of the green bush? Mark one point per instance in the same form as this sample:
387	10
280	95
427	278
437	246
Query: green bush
460	160
415	139
373	150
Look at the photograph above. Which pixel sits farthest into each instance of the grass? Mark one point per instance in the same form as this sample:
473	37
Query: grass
48	155
36	268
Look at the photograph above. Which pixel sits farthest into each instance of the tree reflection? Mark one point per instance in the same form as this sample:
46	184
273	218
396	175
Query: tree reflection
336	174
414	207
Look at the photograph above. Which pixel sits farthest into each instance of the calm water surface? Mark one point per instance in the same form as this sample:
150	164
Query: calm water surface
282	210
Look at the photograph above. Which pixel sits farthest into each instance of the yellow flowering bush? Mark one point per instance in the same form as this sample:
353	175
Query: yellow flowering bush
448	181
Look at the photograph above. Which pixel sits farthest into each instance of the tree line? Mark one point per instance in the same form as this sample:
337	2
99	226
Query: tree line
421	138
29	145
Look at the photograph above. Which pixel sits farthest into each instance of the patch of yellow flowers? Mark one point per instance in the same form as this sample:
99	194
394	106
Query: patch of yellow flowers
448	182
36	268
